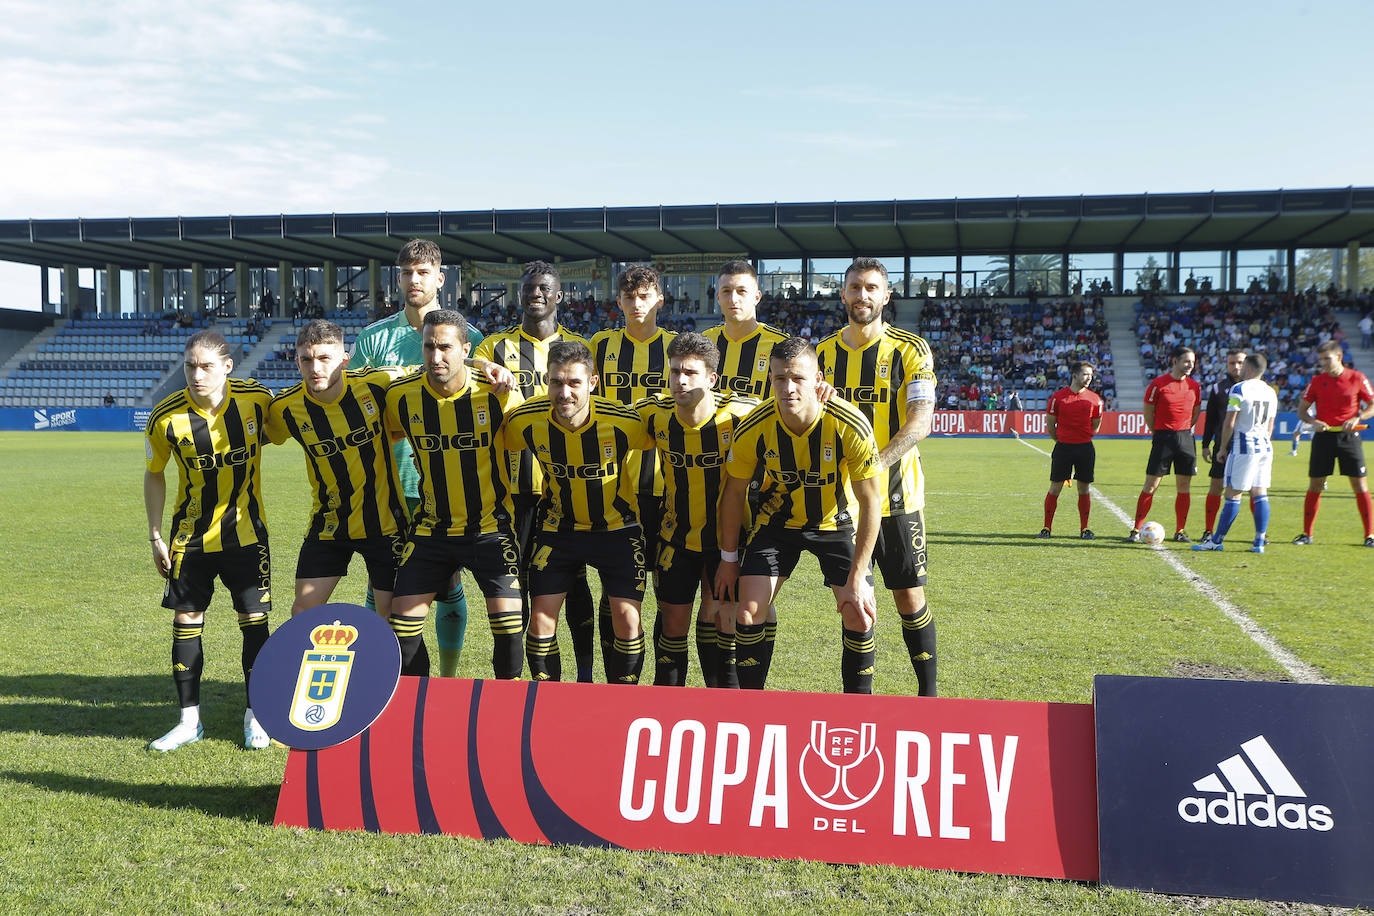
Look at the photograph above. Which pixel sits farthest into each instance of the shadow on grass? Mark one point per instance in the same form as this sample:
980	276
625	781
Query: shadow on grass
1018	539
255	804
136	706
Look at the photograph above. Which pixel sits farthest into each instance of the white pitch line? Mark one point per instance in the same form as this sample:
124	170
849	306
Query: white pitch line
1298	669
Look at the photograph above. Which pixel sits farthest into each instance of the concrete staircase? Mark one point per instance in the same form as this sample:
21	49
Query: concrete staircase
1126	364
30	348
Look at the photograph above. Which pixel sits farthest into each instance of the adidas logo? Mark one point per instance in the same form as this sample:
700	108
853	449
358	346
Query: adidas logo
746	662
770	454
1265	779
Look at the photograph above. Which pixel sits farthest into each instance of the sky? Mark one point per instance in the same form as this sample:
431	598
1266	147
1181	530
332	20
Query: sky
114	108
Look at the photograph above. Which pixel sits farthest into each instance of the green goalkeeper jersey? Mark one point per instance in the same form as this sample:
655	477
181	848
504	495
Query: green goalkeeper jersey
393	345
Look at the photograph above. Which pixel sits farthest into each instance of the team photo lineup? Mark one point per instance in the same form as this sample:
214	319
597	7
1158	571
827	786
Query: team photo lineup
701	465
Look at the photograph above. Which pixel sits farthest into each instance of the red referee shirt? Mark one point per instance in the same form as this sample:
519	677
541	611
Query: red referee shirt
1338	399
1074	412
1175	399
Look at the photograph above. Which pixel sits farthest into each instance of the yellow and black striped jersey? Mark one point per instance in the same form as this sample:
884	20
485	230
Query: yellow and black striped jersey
631	370
693	461
219	466
464	481
586	485
882	379
806	478
348	456
528	360
744	363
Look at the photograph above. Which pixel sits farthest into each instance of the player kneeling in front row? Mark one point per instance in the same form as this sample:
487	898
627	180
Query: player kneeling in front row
1245	438
692	427
581	442
1074	415
452	420
336	414
821	493
214	431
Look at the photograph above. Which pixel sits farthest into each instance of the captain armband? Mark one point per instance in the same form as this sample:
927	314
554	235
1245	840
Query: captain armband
920	390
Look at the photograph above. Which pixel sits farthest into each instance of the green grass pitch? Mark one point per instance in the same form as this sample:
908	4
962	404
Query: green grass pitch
93	823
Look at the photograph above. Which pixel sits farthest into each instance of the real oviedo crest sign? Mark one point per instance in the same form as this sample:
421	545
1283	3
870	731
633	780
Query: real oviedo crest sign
325	675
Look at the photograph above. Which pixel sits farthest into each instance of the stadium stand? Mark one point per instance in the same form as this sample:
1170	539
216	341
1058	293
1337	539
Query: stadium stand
123	356
1286	328
989	348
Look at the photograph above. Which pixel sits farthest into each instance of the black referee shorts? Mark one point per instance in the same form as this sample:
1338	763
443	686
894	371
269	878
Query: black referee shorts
1330	449
1172	448
1073	461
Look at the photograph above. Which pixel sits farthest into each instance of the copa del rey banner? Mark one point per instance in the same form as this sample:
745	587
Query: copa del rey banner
1030	423
971	785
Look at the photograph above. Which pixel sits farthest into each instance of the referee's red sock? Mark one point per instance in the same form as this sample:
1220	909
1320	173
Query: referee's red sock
1051	501
1182	503
1085	504
1309	511
1213	504
1366	503
1142	509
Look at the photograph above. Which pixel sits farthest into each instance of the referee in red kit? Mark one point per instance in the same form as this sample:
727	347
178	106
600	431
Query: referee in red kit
1335	401
1172	405
1073	417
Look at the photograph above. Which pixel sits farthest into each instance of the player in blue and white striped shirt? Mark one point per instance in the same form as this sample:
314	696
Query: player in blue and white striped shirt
1246	436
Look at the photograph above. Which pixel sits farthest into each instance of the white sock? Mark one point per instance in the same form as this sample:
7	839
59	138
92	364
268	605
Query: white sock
190	715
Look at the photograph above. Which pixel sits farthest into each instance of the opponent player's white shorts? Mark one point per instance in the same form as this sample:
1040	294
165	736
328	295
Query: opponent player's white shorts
1250	469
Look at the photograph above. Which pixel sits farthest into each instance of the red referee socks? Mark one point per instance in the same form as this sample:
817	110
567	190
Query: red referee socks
1182	502
1142	509
1051	501
1085	502
1309	511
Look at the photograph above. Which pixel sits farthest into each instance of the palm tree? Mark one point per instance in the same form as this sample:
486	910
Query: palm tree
1044	270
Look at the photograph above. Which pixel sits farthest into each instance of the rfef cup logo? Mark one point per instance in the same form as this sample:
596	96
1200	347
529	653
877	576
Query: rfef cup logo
323	679
325	675
842	768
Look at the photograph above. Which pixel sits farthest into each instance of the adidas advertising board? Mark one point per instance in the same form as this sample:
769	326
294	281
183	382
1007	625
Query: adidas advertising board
325	675
1237	788
971	785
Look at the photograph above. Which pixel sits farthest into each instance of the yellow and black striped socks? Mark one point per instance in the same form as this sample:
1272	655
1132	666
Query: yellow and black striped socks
506	630
410	633
188	659
918	632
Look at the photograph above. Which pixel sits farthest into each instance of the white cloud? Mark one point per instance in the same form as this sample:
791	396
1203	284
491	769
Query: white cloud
133	107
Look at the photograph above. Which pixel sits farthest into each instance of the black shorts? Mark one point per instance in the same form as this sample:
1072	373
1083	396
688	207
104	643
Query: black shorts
774	552
245	571
1218	471
430	562
619	556
323	559
525	518
1172	448
1330	449
901	550
1073	461
679	573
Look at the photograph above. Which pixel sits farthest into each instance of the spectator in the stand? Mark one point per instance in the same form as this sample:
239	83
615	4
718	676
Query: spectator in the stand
1366	330
109	399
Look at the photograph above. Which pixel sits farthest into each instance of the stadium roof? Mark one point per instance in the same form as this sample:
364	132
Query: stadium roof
1319	218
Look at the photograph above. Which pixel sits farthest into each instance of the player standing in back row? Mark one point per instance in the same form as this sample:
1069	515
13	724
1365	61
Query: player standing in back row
1335	402
889	375
1213	446
1246	446
1173	402
1073	417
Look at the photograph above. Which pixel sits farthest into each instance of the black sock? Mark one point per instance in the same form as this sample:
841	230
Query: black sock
581	616
918	632
856	661
749	655
188	659
770	638
546	662
707	657
627	660
670	659
254	632
410	633
727	670
606	631
506	643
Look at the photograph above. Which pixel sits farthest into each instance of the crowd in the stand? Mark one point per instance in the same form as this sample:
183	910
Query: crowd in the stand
990	350
1286	327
